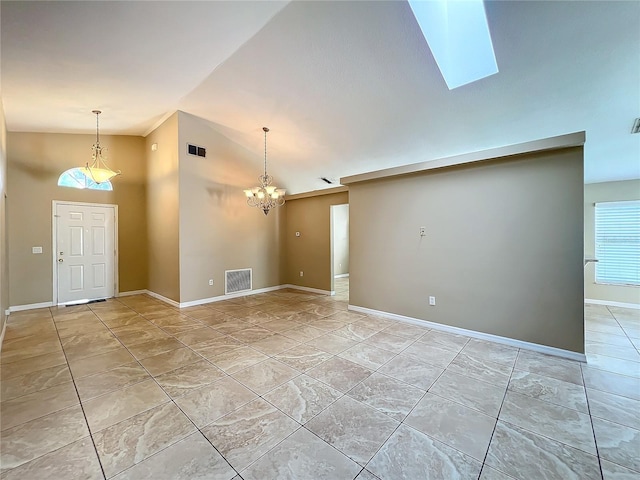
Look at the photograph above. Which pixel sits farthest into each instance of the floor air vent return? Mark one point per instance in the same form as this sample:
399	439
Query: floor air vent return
237	281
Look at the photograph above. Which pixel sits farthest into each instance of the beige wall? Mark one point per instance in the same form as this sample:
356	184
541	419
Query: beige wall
163	210
502	255
218	231
605	192
340	238
35	161
311	251
4	267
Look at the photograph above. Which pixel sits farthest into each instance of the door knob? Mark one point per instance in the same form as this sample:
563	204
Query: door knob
60	260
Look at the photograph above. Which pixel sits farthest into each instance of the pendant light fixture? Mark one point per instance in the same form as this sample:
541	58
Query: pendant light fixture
265	196
98	171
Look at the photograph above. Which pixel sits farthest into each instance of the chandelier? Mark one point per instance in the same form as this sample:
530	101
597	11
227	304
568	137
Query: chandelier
98	171
265	196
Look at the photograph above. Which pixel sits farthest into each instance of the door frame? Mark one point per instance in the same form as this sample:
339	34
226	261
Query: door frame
54	232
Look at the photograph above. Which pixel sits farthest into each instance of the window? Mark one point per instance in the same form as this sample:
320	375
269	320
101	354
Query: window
618	243
74	178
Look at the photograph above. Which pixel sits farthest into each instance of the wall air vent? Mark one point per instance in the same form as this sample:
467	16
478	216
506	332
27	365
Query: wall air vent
636	126
196	150
236	281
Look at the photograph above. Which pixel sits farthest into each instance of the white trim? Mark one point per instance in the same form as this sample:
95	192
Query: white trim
31	306
7	312
54	238
131	292
245	293
557	352
4	328
309	289
341	275
635	306
164	299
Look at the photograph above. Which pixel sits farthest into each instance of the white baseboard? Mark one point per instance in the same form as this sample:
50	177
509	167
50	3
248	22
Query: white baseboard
635	306
220	298
162	298
309	289
557	352
131	292
341	275
31	306
4	328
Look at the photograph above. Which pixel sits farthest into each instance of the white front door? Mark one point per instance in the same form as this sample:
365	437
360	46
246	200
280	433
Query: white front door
85	252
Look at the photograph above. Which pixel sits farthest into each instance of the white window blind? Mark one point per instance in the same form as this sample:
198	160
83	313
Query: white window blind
618	243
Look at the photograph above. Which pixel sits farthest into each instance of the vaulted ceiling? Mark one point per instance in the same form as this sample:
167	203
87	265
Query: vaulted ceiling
346	87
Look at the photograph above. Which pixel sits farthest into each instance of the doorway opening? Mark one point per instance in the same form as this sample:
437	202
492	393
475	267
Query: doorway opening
340	250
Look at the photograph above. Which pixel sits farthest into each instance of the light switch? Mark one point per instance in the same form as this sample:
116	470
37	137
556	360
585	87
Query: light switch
36	249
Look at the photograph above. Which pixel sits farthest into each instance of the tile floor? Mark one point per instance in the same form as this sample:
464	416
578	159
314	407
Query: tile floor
291	385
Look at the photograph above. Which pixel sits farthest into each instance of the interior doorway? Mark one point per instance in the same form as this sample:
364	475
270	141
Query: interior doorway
84	252
339	247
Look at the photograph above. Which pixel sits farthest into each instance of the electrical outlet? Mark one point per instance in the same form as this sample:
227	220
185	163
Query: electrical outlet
301	273
211	281
432	300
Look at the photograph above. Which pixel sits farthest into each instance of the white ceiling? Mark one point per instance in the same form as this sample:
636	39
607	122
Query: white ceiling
346	87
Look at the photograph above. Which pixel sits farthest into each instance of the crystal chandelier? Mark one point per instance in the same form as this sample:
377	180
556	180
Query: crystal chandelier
265	196
98	171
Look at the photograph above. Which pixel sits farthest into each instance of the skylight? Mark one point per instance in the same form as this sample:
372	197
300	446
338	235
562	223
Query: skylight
458	35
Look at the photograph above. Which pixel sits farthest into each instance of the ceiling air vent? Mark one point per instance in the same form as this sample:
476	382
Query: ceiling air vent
196	150
636	126
327	180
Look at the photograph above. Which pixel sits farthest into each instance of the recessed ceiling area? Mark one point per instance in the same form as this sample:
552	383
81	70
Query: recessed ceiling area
346	87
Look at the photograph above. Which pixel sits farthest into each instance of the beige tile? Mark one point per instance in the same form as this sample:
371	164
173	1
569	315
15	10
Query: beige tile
512	450
617	443
109	409
624	353
412	371
391	343
331	343
251	431
211	402
38	404
119	377
410	454
154	347
437	356
460	427
303	333
489	473
189	377
265	376
558	423
37	326
355	429
367	355
274	344
470	392
32	364
302	456
100	363
303	357
197	335
611	382
192	458
469	366
34	381
388	395
614	365
91	346
446	340
22	348
238	359
251	334
302	398
81	326
216	346
611	471
607	339
355	332
135	439
490	351
76	461
38	437
406	330
165	362
279	325
550	390
614	408
339	373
